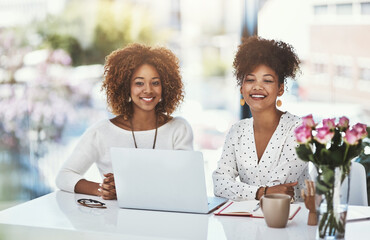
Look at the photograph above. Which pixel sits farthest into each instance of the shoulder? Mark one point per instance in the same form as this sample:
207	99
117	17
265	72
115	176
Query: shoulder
242	125
101	126
178	126
178	122
239	128
291	121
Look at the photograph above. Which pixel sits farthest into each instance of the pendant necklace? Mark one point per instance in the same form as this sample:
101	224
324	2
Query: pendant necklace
155	135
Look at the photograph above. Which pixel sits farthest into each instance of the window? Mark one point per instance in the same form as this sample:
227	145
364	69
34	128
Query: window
344	9
365	8
365	74
319	68
320	9
343	71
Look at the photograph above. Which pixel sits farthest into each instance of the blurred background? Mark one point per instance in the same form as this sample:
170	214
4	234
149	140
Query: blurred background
51	68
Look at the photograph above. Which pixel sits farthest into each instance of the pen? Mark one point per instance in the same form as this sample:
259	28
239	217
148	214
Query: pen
257	207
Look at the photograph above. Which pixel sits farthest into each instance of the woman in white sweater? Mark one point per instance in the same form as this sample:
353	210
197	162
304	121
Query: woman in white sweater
143	87
261	150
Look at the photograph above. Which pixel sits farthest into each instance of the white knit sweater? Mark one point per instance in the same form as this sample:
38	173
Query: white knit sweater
94	147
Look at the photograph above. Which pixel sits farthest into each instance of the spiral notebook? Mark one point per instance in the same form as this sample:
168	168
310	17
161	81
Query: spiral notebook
249	208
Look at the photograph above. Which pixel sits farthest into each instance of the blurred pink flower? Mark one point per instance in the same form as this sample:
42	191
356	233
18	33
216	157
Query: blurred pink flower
308	121
60	56
351	137
329	123
303	134
343	122
360	129
324	135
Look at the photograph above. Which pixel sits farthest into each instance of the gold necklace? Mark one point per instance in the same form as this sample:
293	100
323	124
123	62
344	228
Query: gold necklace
155	135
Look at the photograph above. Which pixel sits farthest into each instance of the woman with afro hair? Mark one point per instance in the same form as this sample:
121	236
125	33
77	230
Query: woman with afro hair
143	88
261	150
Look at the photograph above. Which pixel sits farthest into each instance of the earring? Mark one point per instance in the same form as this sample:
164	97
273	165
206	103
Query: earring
279	103
242	102
160	100
129	99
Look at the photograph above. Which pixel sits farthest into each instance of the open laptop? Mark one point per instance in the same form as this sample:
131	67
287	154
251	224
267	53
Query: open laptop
164	180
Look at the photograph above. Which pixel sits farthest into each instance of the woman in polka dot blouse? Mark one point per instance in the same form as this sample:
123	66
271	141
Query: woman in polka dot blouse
261	150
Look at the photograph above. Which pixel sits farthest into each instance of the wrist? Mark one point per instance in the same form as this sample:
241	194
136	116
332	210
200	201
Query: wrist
258	193
261	192
98	190
312	218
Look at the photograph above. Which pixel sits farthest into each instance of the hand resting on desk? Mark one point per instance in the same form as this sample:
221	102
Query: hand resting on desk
108	188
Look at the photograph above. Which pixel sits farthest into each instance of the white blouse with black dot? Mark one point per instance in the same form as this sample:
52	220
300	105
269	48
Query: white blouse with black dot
279	163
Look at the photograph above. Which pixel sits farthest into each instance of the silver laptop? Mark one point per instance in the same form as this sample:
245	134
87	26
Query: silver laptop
164	180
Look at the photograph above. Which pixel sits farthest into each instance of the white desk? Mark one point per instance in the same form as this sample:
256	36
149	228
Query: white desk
58	216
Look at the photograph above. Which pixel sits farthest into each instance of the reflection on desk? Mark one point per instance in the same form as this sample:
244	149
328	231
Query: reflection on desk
59	216
235	226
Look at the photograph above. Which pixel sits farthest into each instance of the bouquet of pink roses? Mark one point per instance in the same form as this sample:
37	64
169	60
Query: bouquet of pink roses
333	144
330	148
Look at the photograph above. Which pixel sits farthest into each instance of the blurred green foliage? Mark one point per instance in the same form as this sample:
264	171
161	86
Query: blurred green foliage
213	64
68	43
102	28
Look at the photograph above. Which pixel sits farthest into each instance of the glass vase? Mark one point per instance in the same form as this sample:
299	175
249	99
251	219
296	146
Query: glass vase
332	193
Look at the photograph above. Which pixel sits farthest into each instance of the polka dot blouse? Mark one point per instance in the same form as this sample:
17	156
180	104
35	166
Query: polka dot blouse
279	163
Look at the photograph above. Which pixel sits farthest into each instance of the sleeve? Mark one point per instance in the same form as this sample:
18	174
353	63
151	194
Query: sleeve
224	177
183	135
82	157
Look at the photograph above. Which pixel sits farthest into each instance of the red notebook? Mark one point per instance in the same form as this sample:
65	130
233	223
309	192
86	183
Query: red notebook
249	208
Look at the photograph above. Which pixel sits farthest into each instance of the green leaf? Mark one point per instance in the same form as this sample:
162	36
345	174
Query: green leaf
326	176
321	188
335	157
304	153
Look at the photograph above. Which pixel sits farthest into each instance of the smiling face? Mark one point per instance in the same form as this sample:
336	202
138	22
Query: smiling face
260	88
146	88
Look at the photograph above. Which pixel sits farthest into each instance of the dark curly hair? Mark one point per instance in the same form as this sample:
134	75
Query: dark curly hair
277	55
121	64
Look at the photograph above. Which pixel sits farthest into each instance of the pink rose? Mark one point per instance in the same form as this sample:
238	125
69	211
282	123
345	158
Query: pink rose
329	123
324	135
308	121
343	122
303	134
351	137
360	129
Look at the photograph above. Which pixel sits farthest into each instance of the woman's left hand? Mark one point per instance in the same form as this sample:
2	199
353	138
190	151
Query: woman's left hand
108	187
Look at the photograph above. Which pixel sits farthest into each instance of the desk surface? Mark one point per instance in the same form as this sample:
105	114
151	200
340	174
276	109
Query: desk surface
58	216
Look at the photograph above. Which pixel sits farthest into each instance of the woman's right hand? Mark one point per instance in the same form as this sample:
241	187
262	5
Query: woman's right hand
107	189
286	188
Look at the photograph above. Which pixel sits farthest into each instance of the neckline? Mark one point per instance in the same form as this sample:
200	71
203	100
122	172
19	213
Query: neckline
259	161
139	132
155	134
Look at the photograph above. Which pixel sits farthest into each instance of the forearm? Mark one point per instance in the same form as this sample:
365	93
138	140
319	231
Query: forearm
228	187
87	187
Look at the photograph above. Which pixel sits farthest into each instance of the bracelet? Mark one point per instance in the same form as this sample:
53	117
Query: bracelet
265	191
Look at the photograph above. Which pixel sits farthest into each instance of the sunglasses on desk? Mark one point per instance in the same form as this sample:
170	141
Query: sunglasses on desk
91	203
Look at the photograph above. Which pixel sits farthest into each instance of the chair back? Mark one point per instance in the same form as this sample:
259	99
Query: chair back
357	188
